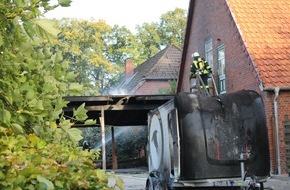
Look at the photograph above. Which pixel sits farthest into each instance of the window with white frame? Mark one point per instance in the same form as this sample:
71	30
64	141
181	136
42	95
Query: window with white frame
208	53
221	69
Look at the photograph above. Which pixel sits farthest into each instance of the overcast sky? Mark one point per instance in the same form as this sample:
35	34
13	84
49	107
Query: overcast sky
127	13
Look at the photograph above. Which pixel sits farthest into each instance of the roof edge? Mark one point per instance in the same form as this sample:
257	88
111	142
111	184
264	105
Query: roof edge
272	88
245	43
185	45
159	60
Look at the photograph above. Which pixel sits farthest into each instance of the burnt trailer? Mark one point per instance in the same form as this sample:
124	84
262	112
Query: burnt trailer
201	142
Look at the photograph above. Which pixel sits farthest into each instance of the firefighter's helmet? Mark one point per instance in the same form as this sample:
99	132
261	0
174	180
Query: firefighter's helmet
195	54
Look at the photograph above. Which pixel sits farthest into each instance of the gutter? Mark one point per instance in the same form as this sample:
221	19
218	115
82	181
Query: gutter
185	45
276	91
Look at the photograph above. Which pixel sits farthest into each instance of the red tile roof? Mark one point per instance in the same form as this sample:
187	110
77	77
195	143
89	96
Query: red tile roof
265	29
162	66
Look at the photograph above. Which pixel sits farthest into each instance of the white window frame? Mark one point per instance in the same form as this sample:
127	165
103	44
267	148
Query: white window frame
209	53
221	60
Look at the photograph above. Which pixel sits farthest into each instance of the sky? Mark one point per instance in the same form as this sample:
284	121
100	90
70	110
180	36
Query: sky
127	13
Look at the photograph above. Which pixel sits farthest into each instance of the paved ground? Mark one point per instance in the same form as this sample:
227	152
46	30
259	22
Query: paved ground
135	179
278	183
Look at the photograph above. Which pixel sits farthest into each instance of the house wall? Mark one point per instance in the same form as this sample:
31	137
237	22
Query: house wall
268	98
213	20
152	87
283	118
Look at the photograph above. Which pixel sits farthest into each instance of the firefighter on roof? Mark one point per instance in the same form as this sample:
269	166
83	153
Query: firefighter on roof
201	67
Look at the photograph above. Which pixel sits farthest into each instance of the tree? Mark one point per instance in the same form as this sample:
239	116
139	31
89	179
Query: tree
148	35
156	35
172	27
120	45
31	88
36	151
96	53
82	45
171	90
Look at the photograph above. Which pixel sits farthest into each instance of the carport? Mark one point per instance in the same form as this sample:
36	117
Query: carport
115	110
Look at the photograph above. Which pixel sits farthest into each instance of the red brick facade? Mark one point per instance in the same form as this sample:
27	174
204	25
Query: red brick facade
210	23
152	87
283	105
213	20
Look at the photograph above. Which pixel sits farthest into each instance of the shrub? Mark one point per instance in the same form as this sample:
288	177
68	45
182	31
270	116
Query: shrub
29	162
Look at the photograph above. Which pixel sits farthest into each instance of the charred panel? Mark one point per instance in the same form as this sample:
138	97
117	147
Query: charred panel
215	132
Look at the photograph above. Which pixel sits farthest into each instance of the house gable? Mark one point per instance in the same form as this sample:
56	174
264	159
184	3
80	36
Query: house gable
212	20
256	34
160	68
255	38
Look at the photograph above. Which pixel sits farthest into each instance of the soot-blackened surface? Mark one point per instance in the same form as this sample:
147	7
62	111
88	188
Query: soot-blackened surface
214	132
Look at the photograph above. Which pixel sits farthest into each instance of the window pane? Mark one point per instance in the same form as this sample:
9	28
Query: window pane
208	53
221	69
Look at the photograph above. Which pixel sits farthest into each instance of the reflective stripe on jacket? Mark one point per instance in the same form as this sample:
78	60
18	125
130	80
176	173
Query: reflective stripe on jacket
201	66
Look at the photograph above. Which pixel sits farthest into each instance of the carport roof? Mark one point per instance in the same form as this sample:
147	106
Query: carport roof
118	110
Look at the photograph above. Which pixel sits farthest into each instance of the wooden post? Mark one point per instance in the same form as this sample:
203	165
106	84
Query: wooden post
102	122
114	156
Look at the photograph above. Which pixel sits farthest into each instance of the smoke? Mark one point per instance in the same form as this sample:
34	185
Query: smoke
109	139
118	92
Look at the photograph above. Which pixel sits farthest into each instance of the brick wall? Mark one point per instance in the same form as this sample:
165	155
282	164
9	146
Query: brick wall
213	20
283	116
268	98
152	87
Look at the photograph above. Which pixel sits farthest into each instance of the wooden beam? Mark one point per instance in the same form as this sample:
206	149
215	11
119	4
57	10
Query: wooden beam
116	107
102	122
114	156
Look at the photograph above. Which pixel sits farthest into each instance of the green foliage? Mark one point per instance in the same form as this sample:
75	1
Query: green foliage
96	52
121	44
172	27
148	35
171	90
82	45
64	3
168	30
35	151
33	79
29	162
127	146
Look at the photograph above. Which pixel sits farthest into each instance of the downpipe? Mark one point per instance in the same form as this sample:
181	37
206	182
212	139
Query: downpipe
277	91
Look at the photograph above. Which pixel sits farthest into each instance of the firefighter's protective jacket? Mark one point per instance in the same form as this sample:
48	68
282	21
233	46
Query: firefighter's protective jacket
201	66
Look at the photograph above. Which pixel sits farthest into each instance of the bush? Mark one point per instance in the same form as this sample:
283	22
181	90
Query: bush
28	162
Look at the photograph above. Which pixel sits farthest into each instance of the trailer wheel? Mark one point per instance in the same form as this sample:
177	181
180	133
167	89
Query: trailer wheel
156	182
257	188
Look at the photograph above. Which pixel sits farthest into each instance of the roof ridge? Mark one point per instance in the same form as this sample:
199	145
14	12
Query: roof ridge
165	50
149	60
146	70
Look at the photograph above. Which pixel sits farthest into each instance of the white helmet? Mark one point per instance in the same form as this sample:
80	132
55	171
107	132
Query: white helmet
195	54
